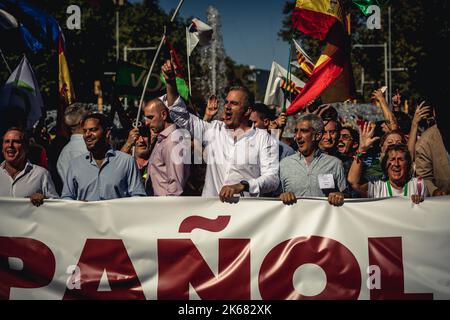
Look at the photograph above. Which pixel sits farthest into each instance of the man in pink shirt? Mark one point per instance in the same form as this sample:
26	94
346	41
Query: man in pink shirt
169	163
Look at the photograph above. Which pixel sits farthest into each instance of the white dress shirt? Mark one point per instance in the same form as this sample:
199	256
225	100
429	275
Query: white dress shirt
30	180
253	156
75	148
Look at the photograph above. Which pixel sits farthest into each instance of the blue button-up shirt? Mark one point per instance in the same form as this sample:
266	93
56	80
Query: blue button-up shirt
302	179
118	177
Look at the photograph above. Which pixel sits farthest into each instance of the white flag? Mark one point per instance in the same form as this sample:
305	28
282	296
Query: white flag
198	33
21	90
274	91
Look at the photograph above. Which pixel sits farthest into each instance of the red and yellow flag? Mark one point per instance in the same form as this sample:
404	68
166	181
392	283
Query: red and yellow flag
332	77
315	18
65	86
66	91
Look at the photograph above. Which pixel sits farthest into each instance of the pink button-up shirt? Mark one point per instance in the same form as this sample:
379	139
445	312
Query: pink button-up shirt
168	167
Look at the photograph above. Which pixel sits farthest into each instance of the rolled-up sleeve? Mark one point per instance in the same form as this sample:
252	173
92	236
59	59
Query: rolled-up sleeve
269	180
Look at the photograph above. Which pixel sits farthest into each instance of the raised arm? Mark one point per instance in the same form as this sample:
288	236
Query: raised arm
391	121
366	140
421	112
177	107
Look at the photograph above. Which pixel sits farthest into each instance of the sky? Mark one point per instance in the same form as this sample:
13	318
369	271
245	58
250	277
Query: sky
249	28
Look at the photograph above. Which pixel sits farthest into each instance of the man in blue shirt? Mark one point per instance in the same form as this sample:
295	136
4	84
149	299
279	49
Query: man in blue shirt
311	172
102	173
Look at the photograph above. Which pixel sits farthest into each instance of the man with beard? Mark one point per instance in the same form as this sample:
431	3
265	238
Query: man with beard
102	173
311	172
18	177
240	159
169	164
397	165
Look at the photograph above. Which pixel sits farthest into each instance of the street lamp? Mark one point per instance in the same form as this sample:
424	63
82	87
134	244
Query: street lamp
384	45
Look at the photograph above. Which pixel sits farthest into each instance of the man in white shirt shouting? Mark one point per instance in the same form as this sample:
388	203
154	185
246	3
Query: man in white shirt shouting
241	159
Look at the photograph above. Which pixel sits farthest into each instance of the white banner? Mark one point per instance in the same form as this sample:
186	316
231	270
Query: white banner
197	248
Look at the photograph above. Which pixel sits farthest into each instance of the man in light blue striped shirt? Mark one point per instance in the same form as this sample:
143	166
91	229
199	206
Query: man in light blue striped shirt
102	173
310	172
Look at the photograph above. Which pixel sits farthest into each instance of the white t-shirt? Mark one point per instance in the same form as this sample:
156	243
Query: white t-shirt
383	189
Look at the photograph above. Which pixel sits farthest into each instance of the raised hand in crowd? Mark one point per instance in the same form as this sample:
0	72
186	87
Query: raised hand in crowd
366	138
391	121
280	122
320	109
168	71
211	108
422	111
133	136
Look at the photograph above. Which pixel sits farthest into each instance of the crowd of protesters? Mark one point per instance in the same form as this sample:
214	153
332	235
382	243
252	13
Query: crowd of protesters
174	152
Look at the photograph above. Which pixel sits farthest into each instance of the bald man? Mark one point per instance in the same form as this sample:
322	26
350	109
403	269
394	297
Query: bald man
169	164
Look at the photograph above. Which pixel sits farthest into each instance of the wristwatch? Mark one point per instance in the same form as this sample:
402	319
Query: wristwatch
246	185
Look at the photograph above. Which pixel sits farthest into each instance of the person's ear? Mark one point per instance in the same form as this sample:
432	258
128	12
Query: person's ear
248	112
164	114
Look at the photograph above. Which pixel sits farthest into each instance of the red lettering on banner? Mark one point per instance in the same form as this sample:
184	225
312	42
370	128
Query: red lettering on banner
338	263
38	264
180	264
387	254
111	256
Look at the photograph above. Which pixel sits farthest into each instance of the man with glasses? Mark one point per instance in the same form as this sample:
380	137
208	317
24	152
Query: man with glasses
347	146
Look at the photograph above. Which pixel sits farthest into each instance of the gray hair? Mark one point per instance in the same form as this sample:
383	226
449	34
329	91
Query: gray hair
75	113
316	121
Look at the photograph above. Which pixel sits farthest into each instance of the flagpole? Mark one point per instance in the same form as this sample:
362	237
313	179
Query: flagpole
163	38
188	47
288	78
4	60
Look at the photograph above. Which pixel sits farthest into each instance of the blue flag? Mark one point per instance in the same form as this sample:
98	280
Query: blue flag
36	27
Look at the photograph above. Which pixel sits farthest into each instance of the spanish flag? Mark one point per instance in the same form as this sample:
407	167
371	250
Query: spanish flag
332	77
315	18
66	91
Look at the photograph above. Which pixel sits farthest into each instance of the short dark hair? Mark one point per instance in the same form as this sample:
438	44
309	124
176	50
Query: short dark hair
354	133
25	140
102	120
330	114
397	147
249	96
264	111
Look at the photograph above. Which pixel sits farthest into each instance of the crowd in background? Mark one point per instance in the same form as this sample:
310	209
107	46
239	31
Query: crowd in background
239	150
